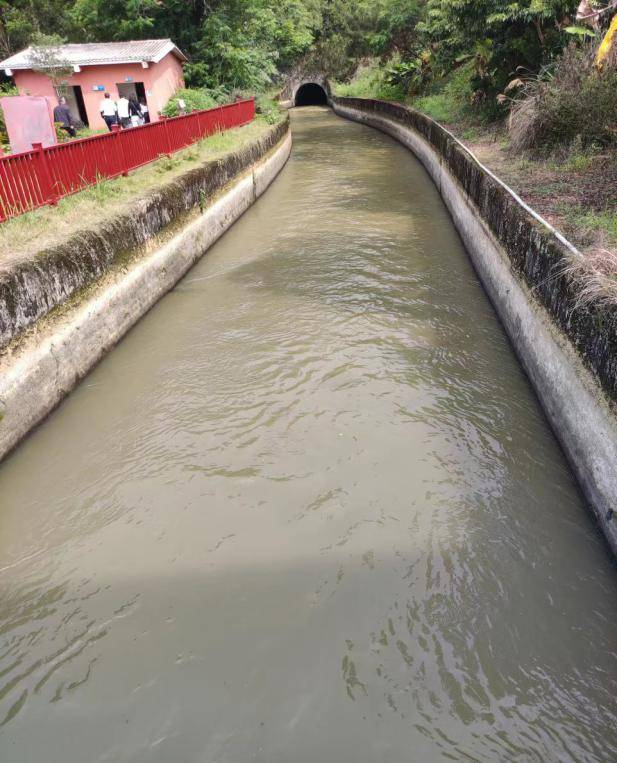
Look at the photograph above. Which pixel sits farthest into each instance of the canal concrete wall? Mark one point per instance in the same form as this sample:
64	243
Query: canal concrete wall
61	312
568	349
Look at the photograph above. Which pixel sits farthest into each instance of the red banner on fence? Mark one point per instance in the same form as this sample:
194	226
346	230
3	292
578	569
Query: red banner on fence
44	175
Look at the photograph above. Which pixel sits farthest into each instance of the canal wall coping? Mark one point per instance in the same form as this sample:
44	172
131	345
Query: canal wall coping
62	312
568	349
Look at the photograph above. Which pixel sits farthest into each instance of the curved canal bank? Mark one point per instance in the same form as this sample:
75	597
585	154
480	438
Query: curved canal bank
65	308
308	509
567	347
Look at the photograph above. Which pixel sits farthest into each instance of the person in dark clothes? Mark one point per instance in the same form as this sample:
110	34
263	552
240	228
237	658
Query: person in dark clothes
135	112
145	112
63	116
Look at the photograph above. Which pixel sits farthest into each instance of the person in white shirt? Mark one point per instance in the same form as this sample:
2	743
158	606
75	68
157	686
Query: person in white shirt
124	114
108	111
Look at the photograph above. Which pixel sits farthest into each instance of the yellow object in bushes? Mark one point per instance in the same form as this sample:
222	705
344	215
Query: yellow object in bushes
607	44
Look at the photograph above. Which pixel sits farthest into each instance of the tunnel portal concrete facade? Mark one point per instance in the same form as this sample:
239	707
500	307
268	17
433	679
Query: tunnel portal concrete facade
295	82
311	94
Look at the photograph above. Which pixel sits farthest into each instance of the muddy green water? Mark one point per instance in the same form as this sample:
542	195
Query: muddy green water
309	510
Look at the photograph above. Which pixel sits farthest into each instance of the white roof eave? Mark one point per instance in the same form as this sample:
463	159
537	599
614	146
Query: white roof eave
20	62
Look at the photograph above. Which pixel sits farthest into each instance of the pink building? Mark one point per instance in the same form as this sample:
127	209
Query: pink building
150	70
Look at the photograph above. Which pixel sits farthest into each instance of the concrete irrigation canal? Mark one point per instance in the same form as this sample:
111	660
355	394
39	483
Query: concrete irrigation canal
309	509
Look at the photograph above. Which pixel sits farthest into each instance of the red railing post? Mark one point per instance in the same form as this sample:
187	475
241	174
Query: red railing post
119	150
47	187
167	138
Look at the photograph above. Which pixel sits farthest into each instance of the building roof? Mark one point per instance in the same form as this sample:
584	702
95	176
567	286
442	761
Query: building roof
100	53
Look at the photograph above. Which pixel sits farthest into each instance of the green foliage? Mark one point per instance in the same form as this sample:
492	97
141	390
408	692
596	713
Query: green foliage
268	109
22	20
235	43
370	81
47	59
411	76
452	98
576	162
440	107
451	56
605	222
579	31
497	35
194	99
395	28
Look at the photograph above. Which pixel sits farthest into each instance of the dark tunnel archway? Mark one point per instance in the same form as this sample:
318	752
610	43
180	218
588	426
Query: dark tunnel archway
311	94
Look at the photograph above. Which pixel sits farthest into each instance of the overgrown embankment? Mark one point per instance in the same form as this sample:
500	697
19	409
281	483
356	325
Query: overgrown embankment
50	254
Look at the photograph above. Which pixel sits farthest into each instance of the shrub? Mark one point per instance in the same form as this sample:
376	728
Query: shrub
452	99
371	80
268	109
195	99
572	102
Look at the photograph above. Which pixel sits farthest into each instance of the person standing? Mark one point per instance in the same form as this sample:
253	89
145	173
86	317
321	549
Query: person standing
63	116
145	113
108	111
135	112
124	115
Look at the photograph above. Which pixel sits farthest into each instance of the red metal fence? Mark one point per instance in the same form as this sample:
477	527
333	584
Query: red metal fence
44	175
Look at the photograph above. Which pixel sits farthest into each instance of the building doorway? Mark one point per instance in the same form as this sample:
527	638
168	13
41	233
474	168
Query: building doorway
132	90
75	101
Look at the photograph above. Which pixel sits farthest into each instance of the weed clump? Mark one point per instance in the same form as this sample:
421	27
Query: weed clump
573	102
268	109
594	274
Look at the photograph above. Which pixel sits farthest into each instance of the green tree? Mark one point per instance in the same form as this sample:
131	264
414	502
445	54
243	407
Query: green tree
46	57
22	20
497	34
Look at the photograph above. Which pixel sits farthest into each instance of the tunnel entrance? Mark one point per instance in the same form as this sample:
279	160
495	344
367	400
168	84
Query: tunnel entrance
311	94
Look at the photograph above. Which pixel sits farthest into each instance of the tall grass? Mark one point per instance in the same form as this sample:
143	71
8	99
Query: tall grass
595	276
569	103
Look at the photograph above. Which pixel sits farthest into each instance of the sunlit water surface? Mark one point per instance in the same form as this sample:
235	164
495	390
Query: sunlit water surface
309	510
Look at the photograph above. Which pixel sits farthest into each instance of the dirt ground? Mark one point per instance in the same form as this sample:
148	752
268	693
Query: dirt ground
577	195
